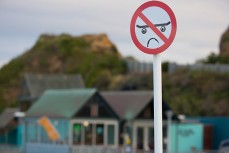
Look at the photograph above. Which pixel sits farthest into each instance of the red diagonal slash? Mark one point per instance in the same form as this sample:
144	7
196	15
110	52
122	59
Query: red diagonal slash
151	25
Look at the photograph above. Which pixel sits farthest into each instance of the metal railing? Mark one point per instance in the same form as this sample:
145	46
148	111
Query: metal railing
10	149
95	149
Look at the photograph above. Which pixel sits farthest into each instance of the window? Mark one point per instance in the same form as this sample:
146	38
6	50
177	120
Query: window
151	138
147	112
110	135
93	133
77	133
99	134
31	132
44	136
62	128
94	110
164	136
88	135
140	138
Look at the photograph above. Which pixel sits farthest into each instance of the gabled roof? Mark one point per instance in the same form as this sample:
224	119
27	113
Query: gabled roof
60	103
128	104
7	116
37	84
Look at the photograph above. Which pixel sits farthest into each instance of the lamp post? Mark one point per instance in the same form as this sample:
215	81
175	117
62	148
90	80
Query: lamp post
181	118
169	114
20	116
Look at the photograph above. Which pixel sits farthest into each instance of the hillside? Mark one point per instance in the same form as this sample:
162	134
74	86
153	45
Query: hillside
193	93
223	56
96	58
93	56
197	93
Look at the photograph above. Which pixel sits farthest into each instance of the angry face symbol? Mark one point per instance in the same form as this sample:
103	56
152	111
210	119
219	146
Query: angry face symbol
144	29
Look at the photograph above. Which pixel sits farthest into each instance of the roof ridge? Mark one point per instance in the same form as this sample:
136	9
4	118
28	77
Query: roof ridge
127	92
50	74
72	89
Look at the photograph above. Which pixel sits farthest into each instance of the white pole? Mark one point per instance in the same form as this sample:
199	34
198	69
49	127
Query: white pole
158	145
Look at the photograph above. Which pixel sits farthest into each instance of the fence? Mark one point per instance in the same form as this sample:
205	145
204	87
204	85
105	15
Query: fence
94	149
10	149
147	67
221	68
139	67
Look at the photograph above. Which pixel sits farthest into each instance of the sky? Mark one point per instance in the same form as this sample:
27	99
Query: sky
200	24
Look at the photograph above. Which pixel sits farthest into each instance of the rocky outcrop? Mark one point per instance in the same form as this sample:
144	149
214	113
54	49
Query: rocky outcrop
224	43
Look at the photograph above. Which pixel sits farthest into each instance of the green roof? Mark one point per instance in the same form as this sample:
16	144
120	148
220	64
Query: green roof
60	103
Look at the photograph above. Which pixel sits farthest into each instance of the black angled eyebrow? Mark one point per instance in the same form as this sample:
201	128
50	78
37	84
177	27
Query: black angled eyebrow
156	25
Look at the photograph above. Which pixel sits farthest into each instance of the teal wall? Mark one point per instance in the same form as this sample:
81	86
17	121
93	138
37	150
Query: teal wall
19	135
37	140
11	137
220	128
185	137
33	132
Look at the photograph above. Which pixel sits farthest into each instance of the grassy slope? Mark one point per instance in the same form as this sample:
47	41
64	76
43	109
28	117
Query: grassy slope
62	54
197	93
190	93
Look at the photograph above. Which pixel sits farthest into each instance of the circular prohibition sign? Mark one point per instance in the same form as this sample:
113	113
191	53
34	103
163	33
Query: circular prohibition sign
153	27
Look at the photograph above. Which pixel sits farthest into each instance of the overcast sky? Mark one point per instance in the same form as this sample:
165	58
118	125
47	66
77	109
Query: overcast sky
200	25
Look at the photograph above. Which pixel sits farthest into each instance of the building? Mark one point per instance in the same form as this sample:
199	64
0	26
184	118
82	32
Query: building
135	110
81	118
187	137
215	130
34	85
85	121
10	132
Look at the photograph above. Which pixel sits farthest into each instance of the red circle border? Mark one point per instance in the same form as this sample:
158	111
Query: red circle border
173	28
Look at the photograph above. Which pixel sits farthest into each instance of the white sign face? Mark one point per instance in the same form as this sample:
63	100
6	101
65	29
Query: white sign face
153	27
146	36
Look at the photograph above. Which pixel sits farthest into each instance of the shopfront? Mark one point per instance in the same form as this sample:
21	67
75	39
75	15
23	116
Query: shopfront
81	119
94	132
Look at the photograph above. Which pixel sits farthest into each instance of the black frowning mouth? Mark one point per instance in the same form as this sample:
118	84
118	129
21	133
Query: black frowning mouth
150	40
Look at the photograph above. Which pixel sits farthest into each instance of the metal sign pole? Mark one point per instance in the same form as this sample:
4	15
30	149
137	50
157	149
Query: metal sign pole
149	43
158	137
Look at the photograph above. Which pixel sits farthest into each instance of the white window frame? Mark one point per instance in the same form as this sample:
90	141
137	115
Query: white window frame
95	122
145	124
